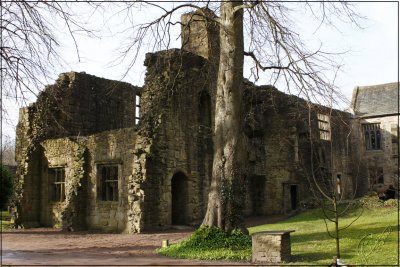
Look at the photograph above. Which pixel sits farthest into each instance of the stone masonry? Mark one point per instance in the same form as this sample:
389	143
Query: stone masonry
377	106
85	161
271	247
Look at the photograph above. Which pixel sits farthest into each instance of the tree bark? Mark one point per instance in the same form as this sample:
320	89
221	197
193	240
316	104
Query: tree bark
226	197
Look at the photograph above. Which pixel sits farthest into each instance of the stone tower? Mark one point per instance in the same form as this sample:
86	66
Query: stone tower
200	34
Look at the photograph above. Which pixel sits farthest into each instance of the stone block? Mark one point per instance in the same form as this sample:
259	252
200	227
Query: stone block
271	246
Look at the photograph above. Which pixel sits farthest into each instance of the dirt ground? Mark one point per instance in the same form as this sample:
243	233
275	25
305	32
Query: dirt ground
52	247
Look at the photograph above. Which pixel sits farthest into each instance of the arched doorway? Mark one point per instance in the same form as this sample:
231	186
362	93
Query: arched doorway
179	198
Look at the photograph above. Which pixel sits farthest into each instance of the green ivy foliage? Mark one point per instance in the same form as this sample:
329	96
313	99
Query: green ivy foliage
211	243
213	237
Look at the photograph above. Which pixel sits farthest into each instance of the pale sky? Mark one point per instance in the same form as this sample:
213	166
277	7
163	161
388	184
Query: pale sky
372	57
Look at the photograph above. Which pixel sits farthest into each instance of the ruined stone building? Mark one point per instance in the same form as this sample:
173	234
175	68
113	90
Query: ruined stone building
95	153
376	113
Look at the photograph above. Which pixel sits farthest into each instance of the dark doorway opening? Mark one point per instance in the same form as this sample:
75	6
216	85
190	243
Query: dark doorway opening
257	194
293	197
179	198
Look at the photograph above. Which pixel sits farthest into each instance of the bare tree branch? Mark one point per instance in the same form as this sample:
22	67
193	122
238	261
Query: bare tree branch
29	44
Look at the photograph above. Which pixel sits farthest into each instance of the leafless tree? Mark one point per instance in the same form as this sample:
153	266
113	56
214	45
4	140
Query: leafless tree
8	151
334	193
274	48
29	44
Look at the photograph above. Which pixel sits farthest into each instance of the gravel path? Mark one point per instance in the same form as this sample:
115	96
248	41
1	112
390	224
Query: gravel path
45	246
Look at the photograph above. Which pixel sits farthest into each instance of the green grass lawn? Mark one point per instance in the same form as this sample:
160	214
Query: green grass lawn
372	239
5	220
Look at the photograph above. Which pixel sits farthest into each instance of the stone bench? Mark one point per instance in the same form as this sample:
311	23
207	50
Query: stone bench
271	246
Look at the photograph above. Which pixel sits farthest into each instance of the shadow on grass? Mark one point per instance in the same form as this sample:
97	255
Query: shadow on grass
351	240
326	257
351	233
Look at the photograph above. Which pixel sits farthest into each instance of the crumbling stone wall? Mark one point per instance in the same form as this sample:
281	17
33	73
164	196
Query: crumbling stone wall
165	162
81	104
280	154
79	157
169	139
270	124
110	147
69	154
25	199
77	104
200	34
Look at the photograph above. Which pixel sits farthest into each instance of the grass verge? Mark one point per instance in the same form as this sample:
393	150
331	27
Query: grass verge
211	244
371	239
5	220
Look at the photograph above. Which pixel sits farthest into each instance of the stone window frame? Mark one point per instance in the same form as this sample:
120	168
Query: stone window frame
324	126
57	186
372	135
108	184
137	108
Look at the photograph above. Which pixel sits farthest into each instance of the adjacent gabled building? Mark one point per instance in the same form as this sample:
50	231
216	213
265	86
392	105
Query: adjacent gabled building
376	111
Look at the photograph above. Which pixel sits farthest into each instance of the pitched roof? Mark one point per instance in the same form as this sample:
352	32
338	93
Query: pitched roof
376	100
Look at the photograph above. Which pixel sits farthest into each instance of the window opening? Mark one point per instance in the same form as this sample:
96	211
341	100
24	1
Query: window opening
137	109
57	184
372	133
107	189
324	127
293	197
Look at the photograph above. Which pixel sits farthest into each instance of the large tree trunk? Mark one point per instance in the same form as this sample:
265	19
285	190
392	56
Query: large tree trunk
226	197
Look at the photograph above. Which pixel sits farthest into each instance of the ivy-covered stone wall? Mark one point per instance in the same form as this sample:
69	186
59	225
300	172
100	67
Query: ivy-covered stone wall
174	137
77	105
69	154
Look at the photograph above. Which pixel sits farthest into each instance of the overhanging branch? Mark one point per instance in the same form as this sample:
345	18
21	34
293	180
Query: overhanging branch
264	68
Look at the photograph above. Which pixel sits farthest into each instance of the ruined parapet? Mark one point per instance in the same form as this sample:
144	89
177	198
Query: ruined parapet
200	34
82	104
